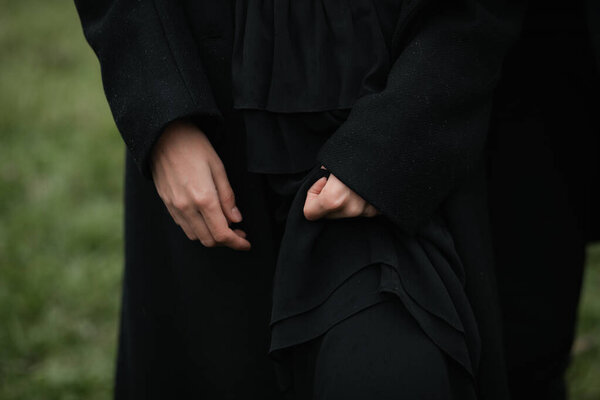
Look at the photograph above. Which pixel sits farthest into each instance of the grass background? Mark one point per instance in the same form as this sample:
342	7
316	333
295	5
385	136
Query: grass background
61	166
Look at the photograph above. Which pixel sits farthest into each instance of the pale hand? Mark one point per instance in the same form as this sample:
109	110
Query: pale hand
331	198
191	180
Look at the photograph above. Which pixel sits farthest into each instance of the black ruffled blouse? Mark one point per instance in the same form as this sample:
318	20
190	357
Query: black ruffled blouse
298	67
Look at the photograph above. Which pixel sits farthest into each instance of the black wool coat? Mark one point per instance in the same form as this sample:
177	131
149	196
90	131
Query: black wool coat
412	149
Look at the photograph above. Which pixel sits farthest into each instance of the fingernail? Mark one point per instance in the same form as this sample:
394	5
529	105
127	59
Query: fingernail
236	214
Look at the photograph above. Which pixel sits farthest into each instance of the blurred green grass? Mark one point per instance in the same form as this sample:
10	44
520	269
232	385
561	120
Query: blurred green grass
61	167
61	163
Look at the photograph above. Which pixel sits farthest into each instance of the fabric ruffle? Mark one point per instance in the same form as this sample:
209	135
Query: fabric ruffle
307	56
330	269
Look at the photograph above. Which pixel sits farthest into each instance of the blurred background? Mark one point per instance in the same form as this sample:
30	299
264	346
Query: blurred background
61	250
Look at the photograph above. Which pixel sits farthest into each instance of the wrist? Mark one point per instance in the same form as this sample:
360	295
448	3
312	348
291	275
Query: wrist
174	132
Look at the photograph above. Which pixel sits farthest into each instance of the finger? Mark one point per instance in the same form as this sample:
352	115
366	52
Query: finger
225	192
197	223
317	187
353	207
313	209
333	198
336	188
370	211
219	229
240	233
182	223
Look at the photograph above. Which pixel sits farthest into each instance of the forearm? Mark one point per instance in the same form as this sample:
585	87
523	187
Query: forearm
406	148
151	70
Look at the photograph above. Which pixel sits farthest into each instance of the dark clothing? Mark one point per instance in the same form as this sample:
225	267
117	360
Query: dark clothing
194	318
331	274
279	143
544	174
285	54
297	69
307	56
378	353
322	269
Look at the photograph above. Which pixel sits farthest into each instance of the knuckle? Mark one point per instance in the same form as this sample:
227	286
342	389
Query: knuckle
333	203
217	163
356	210
180	204
201	200
204	199
228	196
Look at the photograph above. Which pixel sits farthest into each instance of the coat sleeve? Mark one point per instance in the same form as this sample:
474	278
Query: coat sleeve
151	69
405	149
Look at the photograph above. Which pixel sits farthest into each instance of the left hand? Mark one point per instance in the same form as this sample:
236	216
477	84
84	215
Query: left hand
330	198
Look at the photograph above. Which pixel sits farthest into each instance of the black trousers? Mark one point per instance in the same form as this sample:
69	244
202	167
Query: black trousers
208	334
540	251
544	193
378	353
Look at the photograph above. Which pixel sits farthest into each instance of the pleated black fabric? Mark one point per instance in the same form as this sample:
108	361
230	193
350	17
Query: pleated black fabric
297	68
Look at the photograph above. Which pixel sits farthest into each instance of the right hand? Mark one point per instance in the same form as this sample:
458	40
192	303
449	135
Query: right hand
191	180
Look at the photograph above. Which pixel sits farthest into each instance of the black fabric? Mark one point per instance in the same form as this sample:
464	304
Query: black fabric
377	353
544	171
315	284
287	143
305	56
406	148
174	348
141	42
410	150
297	69
593	20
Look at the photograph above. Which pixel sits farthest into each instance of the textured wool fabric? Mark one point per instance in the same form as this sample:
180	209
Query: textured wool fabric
192	316
406	162
151	69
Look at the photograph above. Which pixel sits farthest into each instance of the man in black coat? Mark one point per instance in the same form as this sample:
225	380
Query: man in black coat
194	319
544	174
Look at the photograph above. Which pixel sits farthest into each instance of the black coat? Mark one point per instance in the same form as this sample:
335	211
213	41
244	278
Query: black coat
412	149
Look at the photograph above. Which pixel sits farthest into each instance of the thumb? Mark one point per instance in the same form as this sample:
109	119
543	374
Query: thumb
312	208
317	187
